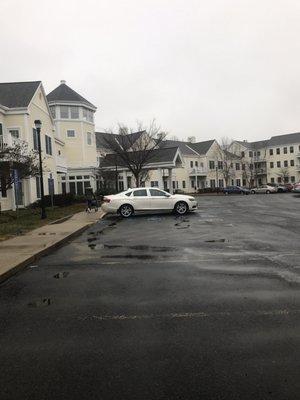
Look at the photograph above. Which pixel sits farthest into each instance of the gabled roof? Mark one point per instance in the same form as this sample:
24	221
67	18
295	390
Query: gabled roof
202	147
126	141
183	146
284	139
63	93
17	94
253	145
164	155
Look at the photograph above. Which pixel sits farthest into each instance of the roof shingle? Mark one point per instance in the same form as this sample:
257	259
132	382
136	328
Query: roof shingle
17	94
65	94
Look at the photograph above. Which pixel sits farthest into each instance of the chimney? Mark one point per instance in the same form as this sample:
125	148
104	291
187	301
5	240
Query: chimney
62	82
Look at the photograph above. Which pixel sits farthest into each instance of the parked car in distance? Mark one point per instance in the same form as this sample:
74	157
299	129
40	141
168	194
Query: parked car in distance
280	188
264	189
289	186
235	190
296	188
147	200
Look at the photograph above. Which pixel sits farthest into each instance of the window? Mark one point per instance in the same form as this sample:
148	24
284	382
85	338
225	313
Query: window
244	182
271	164
279	179
70	133
212	183
286	179
291	149
258	154
53	113
128	194
242	154
74	112
173	184
48	144
232	182
238	182
88	115
35	139
250	154
84	113
285	163
191	164
211	165
278	164
140	193
154	183
196	163
79	177
38	187
243	167
292	179
14	133
64	112
193	183
220	164
251	166
221	183
157	193
183	184
89	138
278	150
285	150
271	152
272	180
237	166
1	130
86	177
292	163
3	191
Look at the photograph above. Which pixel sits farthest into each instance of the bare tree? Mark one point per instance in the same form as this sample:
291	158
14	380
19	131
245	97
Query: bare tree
227	158
284	174
19	158
135	149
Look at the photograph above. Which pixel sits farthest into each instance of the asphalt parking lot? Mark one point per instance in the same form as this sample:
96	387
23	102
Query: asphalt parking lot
204	306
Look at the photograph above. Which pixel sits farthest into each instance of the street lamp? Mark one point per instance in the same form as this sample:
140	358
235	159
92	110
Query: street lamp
38	125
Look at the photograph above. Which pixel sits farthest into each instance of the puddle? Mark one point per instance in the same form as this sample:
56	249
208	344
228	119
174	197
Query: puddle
61	275
215	241
136	256
141	247
40	303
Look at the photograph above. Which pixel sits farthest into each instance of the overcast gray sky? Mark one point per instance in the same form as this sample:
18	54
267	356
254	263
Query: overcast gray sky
208	68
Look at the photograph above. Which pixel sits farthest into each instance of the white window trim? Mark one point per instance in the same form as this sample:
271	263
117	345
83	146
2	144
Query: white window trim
16	128
70	137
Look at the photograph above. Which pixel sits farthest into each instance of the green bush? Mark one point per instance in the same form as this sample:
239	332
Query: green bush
59	200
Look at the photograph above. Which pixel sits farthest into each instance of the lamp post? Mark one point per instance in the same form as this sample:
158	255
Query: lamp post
38	125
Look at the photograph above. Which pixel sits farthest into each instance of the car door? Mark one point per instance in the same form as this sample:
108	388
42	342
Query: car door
160	200
140	200
262	189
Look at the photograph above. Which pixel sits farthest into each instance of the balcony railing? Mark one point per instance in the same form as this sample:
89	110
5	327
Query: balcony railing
198	171
9	141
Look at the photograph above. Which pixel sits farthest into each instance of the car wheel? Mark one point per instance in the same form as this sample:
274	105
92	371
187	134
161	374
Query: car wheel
268	192
253	191
181	208
126	210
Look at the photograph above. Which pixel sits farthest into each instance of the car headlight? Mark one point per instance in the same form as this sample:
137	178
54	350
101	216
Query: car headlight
191	199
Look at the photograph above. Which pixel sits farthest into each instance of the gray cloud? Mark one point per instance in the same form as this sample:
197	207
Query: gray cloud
209	69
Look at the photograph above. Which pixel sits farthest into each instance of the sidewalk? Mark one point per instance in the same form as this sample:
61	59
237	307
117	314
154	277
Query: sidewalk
21	251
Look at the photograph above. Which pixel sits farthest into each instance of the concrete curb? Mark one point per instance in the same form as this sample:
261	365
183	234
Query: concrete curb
22	265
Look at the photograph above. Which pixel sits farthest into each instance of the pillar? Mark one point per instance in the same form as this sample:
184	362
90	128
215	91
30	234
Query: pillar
170	180
125	180
160	178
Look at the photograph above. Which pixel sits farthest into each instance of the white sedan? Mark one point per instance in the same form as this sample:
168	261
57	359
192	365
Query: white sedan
264	189
147	199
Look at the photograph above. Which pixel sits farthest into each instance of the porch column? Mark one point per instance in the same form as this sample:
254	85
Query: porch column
125	180
170	180
160	178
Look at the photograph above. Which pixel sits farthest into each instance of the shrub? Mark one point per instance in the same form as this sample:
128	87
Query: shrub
59	200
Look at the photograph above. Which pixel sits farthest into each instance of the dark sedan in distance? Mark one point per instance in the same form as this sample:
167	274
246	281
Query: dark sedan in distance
235	190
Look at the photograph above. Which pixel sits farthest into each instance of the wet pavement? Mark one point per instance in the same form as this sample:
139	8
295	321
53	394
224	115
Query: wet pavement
204	306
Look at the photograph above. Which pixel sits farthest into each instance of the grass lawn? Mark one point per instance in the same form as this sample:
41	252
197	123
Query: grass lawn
14	223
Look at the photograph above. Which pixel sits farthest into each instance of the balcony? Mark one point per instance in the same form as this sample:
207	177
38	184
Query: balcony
61	164
261	171
9	141
198	171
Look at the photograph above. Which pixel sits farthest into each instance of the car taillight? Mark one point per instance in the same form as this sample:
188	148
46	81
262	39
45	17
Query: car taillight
106	200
